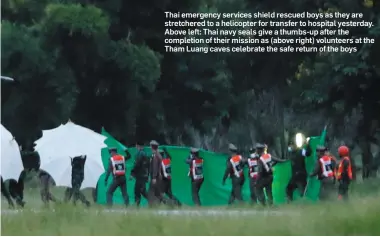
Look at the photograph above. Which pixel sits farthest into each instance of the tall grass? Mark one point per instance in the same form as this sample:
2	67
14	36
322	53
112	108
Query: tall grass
359	216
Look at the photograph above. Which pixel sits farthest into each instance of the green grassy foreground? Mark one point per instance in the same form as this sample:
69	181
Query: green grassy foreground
359	216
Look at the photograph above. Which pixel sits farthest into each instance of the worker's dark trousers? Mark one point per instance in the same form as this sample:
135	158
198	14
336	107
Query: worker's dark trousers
166	186
343	189
140	190
252	189
76	182
155	193
118	182
265	183
237	185
46	195
195	188
327	189
298	181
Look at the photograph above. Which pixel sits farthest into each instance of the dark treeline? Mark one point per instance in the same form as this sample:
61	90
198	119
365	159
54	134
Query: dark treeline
102	64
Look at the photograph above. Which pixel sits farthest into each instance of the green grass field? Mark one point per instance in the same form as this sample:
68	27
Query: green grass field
359	216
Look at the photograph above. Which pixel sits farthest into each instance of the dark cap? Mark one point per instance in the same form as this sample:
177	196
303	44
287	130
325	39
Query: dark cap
153	143
232	147
260	146
194	150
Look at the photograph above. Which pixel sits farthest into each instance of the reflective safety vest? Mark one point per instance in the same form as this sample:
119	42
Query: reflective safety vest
253	168
118	165
340	169
166	168
326	167
197	169
267	162
237	166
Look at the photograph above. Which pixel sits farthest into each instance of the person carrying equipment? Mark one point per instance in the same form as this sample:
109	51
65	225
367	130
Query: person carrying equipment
195	173
234	170
324	170
117	167
344	172
77	177
265	175
299	174
166	172
140	172
253	173
155	187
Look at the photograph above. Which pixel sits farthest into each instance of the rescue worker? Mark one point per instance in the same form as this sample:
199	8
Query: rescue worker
334	161
324	170
140	172
46	195
344	172
234	170
77	177
196	174
117	167
155	174
166	171
299	174
265	174
252	163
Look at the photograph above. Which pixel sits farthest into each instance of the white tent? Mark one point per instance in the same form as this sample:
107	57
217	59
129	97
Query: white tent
57	147
11	162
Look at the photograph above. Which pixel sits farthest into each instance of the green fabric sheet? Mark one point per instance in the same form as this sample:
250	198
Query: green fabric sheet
212	193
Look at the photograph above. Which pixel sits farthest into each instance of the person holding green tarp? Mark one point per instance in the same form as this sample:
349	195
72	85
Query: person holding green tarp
167	177
117	167
195	173
234	170
324	170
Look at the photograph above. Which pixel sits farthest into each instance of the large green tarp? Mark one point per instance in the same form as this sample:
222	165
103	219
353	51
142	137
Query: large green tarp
212	192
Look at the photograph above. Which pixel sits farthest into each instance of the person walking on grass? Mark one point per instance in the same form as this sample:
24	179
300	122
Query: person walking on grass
344	172
117	167
166	172
77	177
234	170
155	188
140	172
195	173
324	170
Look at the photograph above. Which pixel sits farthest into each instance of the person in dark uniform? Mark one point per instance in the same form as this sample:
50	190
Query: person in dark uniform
252	163
166	184
140	172
324	170
117	167
77	177
234	170
265	175
155	175
299	174
46	195
195	173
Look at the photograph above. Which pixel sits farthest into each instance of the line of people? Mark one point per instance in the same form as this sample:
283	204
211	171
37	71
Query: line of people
157	170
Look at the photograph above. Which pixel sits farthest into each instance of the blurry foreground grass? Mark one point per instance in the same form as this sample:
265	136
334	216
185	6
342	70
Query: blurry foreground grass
359	216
